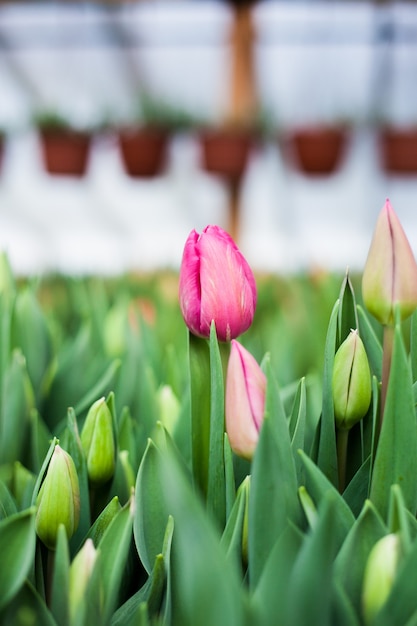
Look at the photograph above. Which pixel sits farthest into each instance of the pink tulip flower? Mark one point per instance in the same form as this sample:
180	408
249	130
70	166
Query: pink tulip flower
245	400
216	283
390	274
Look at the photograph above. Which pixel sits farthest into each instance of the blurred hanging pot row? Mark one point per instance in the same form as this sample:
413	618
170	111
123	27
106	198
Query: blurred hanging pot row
224	151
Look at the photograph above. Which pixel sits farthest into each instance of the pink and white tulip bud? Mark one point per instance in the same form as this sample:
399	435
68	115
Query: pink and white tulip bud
58	500
216	283
245	400
351	382
390	275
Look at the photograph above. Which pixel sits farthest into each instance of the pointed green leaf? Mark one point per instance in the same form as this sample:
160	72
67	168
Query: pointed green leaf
151	514
110	564
347	315
205	585
396	455
364	533
274	499
59	603
234	533
319	488
310	586
17	549
327	457
271	594
216	489
372	343
199	358
27	602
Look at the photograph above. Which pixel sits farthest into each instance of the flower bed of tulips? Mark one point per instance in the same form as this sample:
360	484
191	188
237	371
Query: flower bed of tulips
212	448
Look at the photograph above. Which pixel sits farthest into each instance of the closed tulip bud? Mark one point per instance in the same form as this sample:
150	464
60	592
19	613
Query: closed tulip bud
58	500
79	577
97	440
390	275
379	576
351	382
216	284
245	400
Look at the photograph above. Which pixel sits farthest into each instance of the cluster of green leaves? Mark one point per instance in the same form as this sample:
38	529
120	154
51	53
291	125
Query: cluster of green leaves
187	533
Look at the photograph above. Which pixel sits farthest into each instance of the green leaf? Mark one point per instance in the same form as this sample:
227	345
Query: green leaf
327	456
106	578
199	359
151	514
319	488
396	455
230	483
356	492
297	424
149	595
59	603
7	503
270	597
101	387
273	499
364	533
310	587
206	587
16	405
399	518
17	549
347	314
372	343
102	522
26	603
234	533
216	489
74	448
31	335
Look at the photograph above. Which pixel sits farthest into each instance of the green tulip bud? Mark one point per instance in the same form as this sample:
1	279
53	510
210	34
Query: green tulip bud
351	382
58	500
97	440
169	407
390	276
380	571
79	577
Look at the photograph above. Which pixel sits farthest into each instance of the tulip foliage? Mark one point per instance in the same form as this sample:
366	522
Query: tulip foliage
242	455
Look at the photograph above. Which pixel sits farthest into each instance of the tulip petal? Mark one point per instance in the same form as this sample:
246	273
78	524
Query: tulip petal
390	274
245	400
189	284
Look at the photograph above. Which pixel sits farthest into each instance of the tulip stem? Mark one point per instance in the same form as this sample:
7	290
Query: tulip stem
388	342
342	437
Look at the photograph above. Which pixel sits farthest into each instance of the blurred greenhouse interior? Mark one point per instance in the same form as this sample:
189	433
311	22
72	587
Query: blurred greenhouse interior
186	64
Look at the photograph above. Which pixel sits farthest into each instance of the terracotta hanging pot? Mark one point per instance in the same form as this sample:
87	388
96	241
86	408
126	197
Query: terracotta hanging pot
143	150
398	149
225	152
65	151
317	150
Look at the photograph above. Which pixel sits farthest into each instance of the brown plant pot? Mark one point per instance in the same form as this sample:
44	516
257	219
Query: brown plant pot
398	148
226	152
65	152
318	151
143	151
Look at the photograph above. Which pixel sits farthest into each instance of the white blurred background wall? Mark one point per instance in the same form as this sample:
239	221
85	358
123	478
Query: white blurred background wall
315	61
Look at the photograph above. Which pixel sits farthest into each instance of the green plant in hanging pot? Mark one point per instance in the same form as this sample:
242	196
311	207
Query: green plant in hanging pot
143	141
65	148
